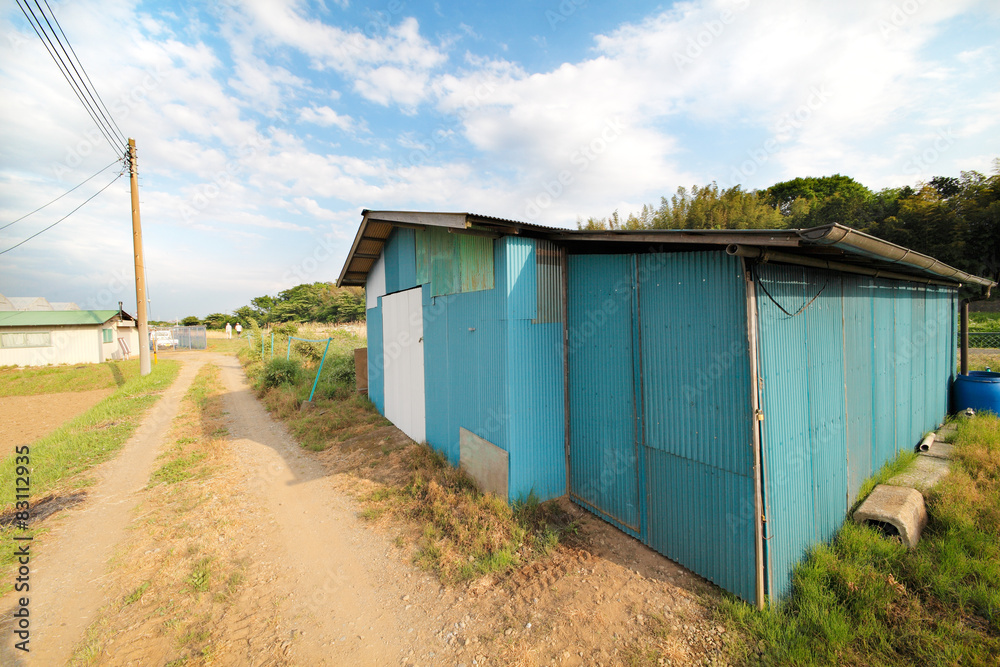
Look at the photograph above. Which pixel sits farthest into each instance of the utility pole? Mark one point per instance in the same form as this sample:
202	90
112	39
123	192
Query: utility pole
140	269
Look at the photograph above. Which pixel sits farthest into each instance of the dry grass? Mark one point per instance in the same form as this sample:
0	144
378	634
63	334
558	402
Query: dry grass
461	533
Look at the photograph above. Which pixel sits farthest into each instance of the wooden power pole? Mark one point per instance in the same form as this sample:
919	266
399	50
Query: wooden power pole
140	269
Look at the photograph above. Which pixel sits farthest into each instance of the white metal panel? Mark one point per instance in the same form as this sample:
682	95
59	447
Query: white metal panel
70	345
375	286
403	357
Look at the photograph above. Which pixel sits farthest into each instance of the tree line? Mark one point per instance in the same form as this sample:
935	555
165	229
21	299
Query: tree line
315	302
953	219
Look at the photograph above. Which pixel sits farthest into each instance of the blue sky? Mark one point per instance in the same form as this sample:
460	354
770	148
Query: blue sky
265	127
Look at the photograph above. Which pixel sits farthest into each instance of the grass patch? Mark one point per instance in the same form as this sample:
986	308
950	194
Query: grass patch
201	576
137	594
980	361
90	438
868	600
984	321
18	381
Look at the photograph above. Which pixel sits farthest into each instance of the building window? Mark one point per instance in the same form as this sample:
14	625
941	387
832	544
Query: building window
109	335
12	340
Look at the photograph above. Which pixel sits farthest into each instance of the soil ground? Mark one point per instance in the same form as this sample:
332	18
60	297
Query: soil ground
24	419
321	586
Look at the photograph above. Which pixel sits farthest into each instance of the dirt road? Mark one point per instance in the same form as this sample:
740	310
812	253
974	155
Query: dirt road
319	586
68	571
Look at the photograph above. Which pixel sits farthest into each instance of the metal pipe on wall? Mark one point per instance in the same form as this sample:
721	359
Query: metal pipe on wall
765	255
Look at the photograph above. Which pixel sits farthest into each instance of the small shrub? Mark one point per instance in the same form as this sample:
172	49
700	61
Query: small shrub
285	329
278	372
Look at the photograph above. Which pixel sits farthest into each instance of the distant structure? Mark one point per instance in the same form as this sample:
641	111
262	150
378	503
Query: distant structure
34	303
36	332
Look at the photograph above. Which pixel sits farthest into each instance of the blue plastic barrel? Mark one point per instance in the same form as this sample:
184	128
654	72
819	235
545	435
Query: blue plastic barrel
979	390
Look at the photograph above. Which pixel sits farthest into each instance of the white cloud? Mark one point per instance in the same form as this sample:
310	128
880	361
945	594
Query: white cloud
326	117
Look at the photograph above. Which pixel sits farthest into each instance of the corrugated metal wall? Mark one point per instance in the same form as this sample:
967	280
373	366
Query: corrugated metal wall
373	323
879	359
492	371
604	429
697	415
660	410
400	261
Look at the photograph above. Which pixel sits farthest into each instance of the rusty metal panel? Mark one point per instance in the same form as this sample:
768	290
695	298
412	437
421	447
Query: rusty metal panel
548	282
453	263
361	369
475	256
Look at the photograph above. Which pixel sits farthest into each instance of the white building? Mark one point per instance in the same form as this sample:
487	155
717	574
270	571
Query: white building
49	337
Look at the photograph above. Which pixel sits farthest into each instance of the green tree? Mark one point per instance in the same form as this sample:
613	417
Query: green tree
217	320
190	321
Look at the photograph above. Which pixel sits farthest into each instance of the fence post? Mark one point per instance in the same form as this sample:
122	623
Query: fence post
288	353
316	381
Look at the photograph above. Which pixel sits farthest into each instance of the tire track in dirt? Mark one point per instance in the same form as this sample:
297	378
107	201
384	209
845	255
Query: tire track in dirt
349	598
68	572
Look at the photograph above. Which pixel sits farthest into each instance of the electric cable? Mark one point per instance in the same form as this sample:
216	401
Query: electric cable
60	196
65	216
77	87
92	90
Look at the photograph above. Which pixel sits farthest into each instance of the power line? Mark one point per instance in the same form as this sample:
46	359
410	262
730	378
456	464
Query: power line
65	216
91	90
121	135
80	88
59	197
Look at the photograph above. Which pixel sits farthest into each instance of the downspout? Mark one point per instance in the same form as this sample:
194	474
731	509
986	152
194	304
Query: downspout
564	264
760	592
964	328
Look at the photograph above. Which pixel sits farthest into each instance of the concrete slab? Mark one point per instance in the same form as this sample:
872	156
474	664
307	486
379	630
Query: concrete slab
947	432
940	450
925	472
896	510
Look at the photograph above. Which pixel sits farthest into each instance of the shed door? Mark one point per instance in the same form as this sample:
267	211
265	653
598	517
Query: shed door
604	470
403	356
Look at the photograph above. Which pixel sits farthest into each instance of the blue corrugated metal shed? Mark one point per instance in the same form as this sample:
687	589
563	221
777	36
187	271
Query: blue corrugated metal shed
853	362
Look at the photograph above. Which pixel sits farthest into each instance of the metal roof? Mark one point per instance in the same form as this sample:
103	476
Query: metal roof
53	318
835	247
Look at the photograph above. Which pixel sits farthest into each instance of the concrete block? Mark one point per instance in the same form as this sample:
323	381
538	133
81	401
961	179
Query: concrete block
896	510
485	462
925	472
